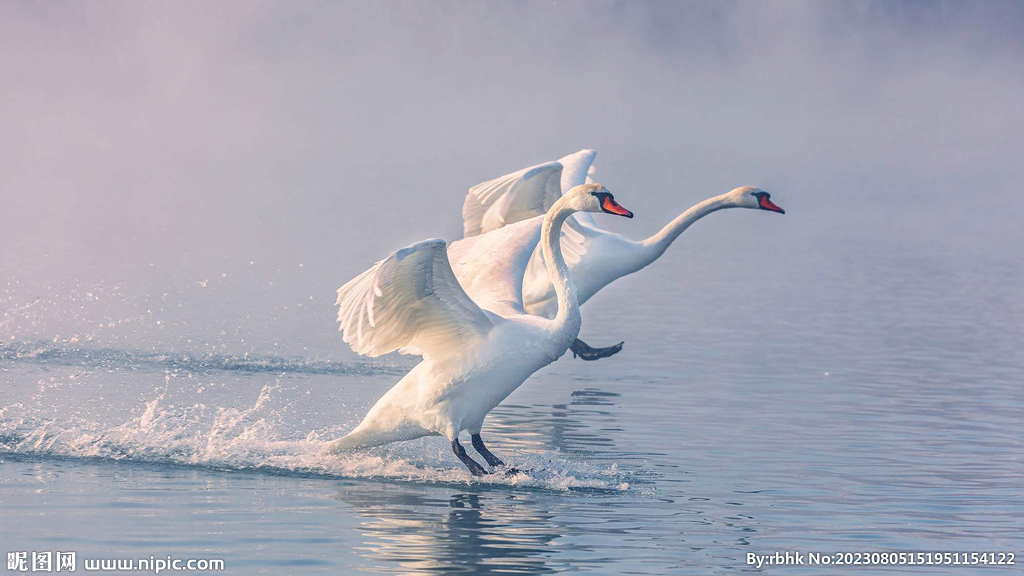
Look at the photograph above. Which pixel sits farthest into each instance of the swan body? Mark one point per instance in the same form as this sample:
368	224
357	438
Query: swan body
447	396
595	257
477	341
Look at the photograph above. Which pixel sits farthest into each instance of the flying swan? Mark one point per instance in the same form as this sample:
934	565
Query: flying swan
478	343
595	257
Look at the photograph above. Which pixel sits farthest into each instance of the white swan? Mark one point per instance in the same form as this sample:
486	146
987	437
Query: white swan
595	257
476	350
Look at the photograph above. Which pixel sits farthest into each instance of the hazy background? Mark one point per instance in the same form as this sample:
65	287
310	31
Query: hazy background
183	187
203	176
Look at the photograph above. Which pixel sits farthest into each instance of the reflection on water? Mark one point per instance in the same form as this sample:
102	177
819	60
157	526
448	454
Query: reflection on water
486	530
471	532
567	428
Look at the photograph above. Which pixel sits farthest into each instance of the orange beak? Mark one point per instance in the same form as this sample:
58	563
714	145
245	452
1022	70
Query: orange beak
612	207
767	204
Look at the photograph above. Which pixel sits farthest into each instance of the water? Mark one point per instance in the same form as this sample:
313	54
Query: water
842	397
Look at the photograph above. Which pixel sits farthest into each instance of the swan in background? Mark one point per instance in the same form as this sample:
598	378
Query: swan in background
595	257
476	349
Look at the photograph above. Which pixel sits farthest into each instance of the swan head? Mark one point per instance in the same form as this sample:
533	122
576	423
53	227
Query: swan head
751	197
594	198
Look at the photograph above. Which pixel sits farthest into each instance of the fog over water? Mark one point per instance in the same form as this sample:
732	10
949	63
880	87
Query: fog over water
184	186
203	176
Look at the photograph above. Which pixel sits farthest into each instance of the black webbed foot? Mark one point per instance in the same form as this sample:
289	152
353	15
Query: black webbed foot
582	350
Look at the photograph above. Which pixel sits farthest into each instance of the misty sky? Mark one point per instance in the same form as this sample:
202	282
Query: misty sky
230	164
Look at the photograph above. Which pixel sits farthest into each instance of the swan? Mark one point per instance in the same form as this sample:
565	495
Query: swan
477	341
595	257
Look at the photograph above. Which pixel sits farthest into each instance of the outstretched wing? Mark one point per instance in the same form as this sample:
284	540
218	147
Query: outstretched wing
491	266
517	197
410	302
577	168
511	198
579	229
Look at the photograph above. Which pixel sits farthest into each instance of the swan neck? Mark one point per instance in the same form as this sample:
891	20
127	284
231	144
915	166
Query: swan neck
658	243
568	315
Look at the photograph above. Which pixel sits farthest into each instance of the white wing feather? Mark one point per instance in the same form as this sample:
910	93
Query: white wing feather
410	302
524	195
578	168
511	198
491	266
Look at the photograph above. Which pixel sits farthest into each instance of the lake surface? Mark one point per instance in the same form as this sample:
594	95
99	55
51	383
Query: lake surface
776	392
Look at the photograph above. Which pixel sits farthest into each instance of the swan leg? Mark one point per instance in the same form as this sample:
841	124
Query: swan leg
474	468
492	460
581	349
478	445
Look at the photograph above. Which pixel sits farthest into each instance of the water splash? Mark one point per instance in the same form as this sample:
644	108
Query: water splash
251	439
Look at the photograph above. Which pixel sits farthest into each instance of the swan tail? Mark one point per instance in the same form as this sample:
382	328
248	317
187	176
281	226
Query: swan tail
368	437
356	440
